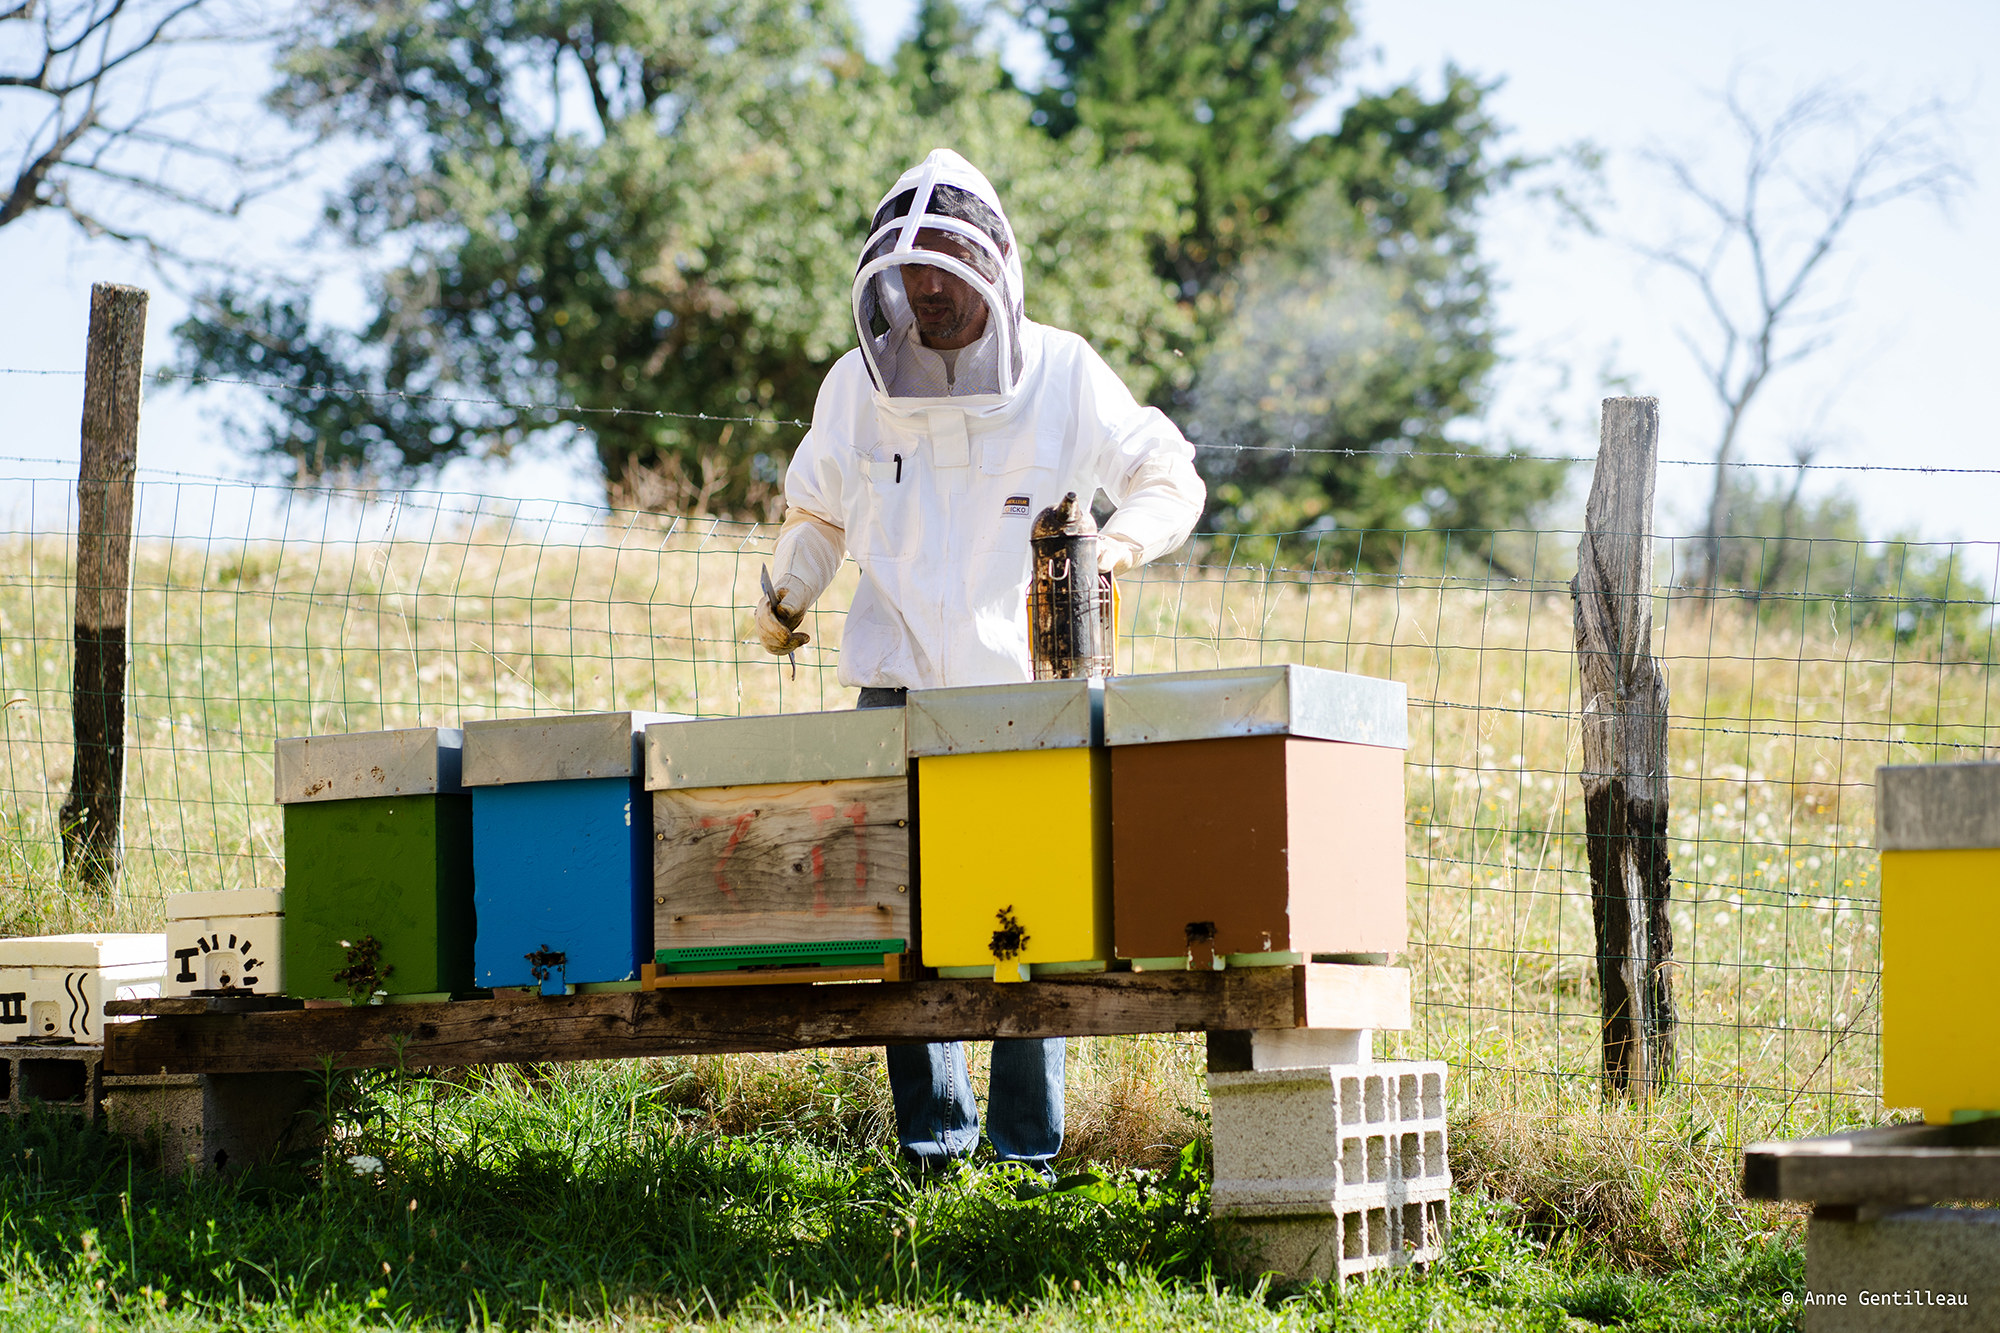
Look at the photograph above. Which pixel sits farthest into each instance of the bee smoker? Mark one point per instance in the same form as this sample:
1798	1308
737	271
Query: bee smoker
1070	630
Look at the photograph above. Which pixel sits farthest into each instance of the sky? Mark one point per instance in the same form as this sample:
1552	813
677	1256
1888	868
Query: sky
1900	384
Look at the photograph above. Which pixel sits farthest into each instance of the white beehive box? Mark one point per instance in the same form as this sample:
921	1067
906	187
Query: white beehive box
226	941
54	987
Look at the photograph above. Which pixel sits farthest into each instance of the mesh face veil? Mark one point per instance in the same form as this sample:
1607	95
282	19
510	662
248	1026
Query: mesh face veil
943	214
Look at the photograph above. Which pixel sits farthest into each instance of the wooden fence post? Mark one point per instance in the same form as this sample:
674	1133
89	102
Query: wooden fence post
112	378
1625	753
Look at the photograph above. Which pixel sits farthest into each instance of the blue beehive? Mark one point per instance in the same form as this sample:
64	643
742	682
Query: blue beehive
562	862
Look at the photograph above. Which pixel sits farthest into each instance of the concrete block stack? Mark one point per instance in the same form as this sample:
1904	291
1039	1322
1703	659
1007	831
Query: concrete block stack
1331	1170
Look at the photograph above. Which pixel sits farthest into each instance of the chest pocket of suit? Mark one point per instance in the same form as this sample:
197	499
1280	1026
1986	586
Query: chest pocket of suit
891	528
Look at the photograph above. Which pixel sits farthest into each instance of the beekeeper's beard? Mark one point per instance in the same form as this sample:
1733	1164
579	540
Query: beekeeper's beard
948	312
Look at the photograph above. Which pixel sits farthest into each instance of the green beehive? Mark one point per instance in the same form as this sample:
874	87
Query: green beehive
378	864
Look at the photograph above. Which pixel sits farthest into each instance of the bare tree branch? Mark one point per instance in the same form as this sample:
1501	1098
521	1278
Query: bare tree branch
1772	226
100	127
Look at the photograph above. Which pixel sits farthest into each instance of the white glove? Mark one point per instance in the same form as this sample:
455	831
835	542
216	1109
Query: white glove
1116	554
778	626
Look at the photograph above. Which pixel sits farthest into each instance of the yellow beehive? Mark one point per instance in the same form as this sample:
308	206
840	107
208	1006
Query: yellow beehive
1938	829
1013	828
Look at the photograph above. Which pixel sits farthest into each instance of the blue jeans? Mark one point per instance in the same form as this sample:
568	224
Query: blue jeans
936	1118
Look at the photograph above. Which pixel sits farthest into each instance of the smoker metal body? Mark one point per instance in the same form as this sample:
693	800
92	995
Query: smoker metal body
1257	815
1937	827
1013	788
53	987
1070	626
561	854
778	837
378	863
226	941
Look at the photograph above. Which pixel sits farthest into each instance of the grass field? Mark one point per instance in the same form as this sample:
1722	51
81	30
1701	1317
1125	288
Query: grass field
350	620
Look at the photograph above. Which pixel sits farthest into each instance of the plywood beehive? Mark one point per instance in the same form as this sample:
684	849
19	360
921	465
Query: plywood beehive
774	837
561	853
1937	827
378	864
226	941
54	987
1257	815
1013	828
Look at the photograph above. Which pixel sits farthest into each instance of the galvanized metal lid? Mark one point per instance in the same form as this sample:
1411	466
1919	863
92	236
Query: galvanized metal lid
80	951
788	747
1030	715
207	903
507	750
1937	807
1299	701
415	762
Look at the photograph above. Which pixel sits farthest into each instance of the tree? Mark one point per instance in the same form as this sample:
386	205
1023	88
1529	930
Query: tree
1770	226
1336	276
94	134
1211	86
1351	348
647	207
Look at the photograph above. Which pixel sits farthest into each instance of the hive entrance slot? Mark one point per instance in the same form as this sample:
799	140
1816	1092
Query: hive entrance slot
1201	945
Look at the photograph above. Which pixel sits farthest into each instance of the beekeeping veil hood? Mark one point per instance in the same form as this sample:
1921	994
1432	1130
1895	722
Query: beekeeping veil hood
942	193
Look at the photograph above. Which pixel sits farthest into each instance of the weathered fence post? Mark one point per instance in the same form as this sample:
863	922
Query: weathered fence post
112	378
1625	753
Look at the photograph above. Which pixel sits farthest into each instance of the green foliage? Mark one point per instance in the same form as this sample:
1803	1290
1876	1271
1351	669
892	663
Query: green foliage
580	1198
1208	85
654	207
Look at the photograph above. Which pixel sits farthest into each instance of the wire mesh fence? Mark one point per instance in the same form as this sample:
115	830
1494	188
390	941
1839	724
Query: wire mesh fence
306	611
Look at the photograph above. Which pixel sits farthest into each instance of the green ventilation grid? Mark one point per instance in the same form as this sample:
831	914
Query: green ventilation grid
823	953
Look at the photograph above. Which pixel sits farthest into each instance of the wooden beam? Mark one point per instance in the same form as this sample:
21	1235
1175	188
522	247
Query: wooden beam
1624	771
1900	1166
517	1029
1343	996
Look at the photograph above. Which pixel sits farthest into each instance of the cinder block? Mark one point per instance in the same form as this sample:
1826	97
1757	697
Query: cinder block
226	941
209	1122
1341	1244
1924	1270
51	1078
1342	1168
1237	1052
54	987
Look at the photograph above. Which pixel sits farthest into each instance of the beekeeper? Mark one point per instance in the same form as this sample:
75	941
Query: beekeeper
933	445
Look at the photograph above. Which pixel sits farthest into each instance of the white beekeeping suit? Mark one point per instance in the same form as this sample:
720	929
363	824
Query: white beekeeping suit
928	467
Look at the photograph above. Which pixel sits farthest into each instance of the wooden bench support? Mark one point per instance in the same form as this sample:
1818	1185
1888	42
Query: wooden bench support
1872	1238
721	1020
